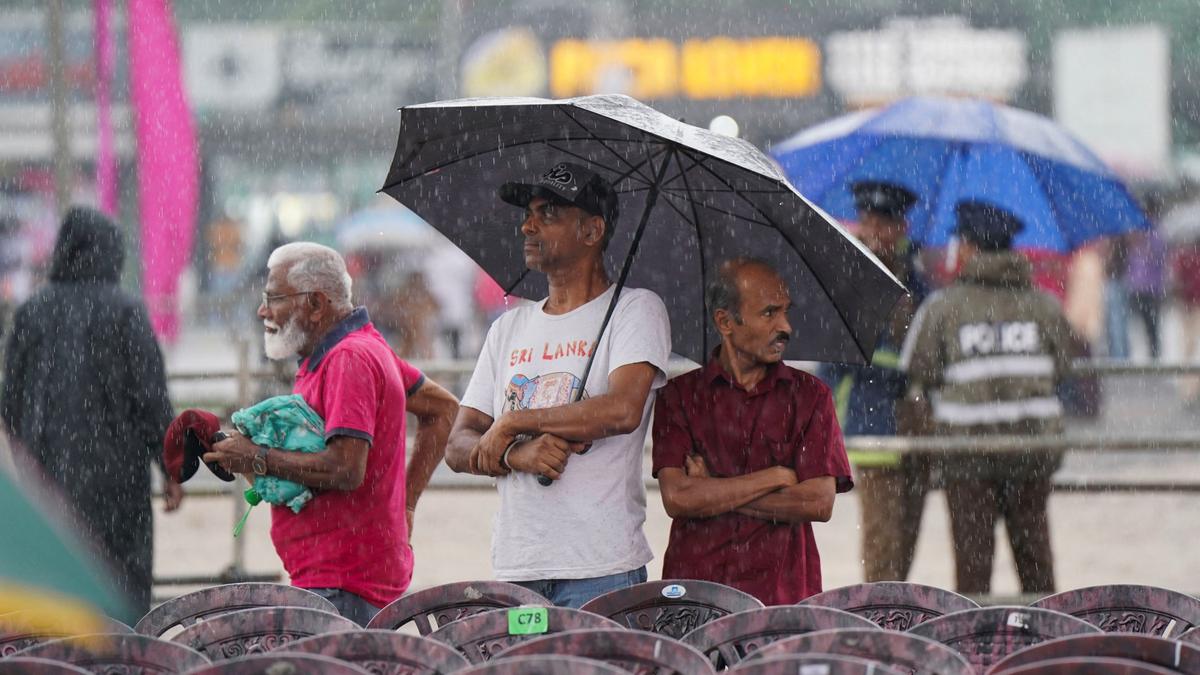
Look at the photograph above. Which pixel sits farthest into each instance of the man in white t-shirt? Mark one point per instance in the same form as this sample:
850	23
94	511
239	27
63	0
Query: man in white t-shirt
581	536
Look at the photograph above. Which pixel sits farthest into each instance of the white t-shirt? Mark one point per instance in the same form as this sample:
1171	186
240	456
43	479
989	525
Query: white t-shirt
589	522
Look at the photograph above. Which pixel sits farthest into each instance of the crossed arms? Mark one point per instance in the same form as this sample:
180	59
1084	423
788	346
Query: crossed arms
478	441
772	494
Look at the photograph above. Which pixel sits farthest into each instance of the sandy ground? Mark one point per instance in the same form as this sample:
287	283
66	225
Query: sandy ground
1111	538
1146	538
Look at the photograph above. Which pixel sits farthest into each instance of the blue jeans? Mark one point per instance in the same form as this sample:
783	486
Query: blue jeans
575	592
348	604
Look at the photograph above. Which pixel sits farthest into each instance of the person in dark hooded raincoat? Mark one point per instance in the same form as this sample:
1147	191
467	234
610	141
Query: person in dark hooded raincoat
85	400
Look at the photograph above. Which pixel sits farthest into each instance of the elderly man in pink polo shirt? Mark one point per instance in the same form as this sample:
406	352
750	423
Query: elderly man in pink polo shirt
351	543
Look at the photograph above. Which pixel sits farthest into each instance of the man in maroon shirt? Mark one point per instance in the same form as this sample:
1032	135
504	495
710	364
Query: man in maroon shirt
748	451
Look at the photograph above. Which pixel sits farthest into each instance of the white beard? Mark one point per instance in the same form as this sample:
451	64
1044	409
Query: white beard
285	343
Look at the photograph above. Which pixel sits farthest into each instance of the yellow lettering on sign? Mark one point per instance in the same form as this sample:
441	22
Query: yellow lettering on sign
640	68
571	65
715	68
654	65
786	67
756	68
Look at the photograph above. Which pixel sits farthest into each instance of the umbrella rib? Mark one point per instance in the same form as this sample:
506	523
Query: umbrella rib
821	284
700	247
621	176
664	141
1055	211
942	174
753	192
604	143
650	157
582	158
499	148
634	190
680	212
727	213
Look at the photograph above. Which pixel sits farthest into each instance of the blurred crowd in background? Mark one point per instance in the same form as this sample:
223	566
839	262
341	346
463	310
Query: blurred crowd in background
294	116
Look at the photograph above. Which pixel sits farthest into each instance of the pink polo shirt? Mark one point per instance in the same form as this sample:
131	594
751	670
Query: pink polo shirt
357	540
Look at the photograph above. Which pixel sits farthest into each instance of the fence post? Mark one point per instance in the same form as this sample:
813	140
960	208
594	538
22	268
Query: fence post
237	568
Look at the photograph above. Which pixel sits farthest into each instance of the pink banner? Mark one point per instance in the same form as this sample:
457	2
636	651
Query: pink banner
106	159
167	158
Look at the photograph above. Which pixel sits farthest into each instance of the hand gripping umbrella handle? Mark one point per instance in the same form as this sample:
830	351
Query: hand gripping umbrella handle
651	197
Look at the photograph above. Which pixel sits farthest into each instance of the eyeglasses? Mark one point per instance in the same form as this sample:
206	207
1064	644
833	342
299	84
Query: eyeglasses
268	299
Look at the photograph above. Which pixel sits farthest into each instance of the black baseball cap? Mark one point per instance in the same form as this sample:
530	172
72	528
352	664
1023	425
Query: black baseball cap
889	199
571	183
987	225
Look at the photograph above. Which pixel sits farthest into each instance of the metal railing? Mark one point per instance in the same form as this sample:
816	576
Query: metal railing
245	375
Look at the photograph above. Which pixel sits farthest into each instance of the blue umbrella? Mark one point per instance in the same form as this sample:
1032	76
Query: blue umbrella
946	150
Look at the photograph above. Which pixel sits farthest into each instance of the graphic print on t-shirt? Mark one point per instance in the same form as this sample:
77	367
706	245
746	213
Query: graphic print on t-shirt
543	391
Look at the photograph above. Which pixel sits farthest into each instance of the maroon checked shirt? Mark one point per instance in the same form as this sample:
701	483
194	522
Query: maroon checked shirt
788	419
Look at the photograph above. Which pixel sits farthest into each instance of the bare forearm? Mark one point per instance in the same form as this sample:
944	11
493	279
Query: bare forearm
588	420
314	469
801	503
705	497
458	449
428	449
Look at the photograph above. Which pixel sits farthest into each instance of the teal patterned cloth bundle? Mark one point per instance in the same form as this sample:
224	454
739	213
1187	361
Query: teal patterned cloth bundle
284	423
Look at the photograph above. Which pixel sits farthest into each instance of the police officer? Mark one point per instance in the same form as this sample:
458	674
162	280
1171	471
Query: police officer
891	487
988	351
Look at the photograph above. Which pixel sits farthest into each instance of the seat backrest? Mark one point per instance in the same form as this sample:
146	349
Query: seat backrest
895	605
1131	647
22	665
385	652
815	664
481	636
112	652
671	607
432	608
905	651
727	640
988	634
1082	665
16	632
258	630
186	610
544	665
1124	608
282	663
635	651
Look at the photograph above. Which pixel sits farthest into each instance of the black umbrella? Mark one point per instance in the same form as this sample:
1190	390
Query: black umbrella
690	198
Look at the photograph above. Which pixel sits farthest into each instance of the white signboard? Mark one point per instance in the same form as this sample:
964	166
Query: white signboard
938	56
1112	88
232	66
354	68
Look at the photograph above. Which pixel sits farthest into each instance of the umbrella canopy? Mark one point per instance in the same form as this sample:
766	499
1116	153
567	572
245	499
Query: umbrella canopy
946	150
689	199
45	572
391	227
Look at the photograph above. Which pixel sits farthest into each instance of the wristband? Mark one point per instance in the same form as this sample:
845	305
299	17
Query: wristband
504	457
